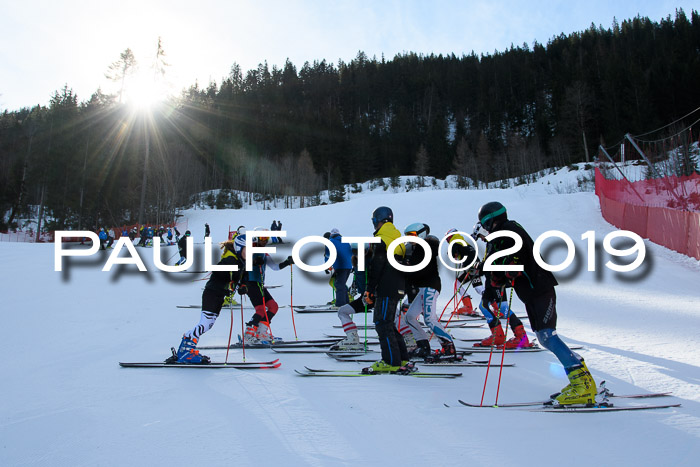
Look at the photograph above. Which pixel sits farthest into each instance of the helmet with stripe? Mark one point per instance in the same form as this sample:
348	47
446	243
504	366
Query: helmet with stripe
492	214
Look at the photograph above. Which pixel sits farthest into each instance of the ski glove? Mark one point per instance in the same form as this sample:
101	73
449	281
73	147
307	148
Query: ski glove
286	262
368	298
512	275
242	289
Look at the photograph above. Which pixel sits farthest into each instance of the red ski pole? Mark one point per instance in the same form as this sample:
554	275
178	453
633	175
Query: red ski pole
486	378
505	335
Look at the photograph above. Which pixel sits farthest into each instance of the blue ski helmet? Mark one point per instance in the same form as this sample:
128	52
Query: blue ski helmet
491	214
417	229
382	214
239	243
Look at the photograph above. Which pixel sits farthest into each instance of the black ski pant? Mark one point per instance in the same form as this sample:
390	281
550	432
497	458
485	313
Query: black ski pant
391	342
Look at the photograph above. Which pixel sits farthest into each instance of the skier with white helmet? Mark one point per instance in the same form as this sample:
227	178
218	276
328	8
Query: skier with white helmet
258	328
423	289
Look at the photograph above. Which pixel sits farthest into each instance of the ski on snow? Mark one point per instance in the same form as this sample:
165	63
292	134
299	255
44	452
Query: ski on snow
234	365
277	344
457	363
343	373
534	347
331	353
602	403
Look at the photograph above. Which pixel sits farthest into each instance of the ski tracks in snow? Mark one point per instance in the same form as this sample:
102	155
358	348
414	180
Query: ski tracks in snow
279	416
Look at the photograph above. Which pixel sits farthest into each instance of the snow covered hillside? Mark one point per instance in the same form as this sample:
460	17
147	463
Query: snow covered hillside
67	402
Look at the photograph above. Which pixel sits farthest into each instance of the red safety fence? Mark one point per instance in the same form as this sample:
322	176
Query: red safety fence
666	211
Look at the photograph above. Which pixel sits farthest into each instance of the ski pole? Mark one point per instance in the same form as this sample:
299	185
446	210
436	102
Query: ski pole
365	303
505	335
230	332
452	297
291	299
448	303
242	331
493	341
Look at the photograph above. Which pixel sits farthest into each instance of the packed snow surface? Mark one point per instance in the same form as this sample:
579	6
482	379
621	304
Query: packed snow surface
66	401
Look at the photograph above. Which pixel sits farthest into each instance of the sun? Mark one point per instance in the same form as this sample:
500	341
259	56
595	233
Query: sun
144	92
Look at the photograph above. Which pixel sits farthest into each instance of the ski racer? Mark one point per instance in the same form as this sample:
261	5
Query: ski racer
385	290
423	289
182	247
258	328
535	288
220	285
341	267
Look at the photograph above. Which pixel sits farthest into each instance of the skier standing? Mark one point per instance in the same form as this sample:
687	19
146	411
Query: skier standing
207	232
258	328
345	312
535	288
385	289
103	238
423	288
182	247
341	267
493	304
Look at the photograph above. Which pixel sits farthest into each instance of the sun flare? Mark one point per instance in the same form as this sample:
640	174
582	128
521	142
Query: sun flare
144	92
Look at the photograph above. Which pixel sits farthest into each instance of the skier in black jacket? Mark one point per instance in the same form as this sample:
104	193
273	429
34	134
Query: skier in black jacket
385	290
535	288
423	288
182	247
220	285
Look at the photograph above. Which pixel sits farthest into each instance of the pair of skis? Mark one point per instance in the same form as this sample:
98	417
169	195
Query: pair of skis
602	403
351	374
268	365
442	362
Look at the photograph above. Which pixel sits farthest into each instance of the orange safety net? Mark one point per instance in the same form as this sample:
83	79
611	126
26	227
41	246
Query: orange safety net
666	211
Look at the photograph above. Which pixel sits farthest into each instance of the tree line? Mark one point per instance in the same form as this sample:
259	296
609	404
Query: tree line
284	131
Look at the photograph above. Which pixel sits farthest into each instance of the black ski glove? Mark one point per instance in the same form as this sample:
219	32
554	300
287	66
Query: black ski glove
287	262
242	289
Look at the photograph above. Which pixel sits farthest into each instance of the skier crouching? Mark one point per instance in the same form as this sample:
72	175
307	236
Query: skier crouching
535	288
220	285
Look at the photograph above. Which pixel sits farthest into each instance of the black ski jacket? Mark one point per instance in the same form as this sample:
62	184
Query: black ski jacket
429	276
533	281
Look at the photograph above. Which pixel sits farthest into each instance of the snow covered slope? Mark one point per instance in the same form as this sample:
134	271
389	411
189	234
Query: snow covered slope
66	400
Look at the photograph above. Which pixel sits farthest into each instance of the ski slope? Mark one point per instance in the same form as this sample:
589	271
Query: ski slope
67	402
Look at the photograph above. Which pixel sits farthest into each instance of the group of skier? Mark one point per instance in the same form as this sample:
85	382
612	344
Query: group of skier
533	285
222	284
385	285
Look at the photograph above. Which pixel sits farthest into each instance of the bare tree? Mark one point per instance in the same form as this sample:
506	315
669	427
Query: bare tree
420	165
120	70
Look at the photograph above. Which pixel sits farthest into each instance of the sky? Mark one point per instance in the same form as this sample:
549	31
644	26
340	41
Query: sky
48	44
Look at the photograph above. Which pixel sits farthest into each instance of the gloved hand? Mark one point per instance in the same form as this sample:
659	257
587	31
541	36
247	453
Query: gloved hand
286	262
242	289
498	279
258	260
490	295
512	275
329	270
368	298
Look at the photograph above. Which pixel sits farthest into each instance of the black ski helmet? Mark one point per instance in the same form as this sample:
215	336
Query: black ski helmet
492	213
382	214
